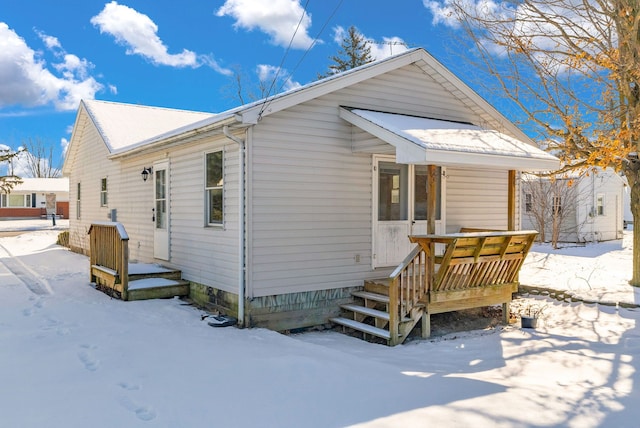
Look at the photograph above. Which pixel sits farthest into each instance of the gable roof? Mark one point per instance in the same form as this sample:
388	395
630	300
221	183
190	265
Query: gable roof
252	113
122	125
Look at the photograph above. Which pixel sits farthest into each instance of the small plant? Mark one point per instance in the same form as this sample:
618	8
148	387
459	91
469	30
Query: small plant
63	239
533	310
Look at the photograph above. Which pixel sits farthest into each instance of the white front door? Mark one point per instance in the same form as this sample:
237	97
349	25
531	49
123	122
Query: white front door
400	209
161	211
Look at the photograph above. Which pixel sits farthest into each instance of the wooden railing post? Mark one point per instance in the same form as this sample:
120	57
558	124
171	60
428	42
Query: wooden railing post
394	308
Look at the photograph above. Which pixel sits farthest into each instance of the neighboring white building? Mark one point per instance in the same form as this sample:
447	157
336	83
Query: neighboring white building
277	210
35	198
593	206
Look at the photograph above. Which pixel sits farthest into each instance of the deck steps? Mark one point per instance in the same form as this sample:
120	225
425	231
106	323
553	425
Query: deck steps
369	315
144	281
362	327
157	288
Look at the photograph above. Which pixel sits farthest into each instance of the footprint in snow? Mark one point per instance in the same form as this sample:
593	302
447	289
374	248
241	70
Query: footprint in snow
129	386
144	413
88	359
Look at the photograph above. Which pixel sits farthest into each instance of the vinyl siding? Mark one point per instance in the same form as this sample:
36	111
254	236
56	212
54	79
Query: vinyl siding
311	195
476	198
88	167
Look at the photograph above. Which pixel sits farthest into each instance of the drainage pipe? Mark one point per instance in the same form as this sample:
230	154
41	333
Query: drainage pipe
241	222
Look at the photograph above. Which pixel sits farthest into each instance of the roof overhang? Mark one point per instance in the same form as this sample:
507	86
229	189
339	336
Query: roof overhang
424	141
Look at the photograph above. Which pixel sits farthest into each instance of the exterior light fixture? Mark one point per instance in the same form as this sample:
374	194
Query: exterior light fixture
145	173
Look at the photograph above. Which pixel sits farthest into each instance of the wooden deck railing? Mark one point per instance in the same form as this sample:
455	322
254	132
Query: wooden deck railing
109	256
477	268
408	286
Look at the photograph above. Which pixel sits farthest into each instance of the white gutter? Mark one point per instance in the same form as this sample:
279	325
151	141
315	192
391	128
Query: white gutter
164	140
241	225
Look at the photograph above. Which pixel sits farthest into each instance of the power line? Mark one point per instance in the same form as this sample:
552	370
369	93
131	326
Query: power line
275	77
267	101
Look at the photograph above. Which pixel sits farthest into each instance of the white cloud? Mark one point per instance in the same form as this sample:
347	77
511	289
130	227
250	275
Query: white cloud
387	47
266	74
277	18
64	144
49	41
26	80
138	33
380	49
113	89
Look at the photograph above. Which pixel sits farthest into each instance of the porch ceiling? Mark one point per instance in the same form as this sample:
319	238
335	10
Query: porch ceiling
425	141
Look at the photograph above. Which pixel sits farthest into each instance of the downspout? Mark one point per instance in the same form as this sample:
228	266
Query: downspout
241	225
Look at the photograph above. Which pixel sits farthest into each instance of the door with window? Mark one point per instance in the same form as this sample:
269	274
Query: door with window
400	209
161	211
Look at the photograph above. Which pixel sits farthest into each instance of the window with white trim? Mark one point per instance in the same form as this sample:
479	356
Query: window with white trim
103	192
557	205
15	201
600	204
214	188
528	202
78	202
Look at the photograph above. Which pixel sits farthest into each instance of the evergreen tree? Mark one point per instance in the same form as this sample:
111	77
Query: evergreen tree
354	51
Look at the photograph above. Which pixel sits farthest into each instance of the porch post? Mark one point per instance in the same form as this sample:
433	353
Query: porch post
511	225
432	179
511	204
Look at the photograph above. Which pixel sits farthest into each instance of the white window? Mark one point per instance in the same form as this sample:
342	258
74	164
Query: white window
78	202
600	204
16	201
3	200
103	192
528	202
557	205
214	187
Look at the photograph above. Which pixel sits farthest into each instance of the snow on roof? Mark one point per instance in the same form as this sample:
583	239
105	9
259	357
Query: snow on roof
43	185
441	141
123	125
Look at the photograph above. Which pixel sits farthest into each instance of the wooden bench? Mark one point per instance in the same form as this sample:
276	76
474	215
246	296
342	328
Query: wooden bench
477	268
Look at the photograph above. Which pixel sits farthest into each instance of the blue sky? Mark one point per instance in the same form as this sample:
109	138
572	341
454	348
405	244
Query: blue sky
180	55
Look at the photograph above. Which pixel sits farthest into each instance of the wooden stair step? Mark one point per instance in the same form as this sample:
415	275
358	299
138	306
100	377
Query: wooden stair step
366	311
370	312
157	288
371	296
365	328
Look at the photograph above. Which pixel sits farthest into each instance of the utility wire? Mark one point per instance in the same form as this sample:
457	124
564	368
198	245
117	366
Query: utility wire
267	101
284	57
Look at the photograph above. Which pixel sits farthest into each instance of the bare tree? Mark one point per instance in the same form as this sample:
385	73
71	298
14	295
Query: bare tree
550	206
37	160
573	70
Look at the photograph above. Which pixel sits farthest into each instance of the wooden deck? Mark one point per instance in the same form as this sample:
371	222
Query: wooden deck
477	268
112	273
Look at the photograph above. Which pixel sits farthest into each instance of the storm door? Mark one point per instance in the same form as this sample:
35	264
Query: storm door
400	209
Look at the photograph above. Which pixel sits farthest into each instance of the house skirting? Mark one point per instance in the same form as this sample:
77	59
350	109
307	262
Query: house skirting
280	312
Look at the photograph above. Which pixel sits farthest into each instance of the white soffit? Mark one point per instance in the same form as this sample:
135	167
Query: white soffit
425	141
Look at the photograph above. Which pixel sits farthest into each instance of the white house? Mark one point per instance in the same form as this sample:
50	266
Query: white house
591	205
36	198
276	210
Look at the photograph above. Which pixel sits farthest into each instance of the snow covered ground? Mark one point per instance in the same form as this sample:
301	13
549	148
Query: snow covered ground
71	356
